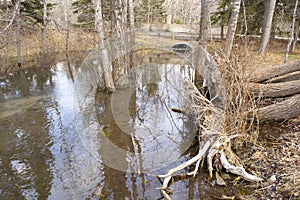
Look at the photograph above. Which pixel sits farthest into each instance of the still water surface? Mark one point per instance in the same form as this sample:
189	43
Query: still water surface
60	139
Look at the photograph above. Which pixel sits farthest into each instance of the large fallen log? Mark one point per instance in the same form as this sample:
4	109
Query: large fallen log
285	78
275	89
283	110
260	76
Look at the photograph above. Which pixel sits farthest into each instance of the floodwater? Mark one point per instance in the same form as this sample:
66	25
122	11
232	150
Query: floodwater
61	139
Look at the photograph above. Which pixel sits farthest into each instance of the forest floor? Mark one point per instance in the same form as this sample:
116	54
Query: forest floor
275	156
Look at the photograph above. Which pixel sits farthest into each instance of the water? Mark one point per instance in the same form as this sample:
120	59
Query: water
61	139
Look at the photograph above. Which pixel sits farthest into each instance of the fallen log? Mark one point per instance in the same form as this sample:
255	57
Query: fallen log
260	76
283	110
285	78
275	89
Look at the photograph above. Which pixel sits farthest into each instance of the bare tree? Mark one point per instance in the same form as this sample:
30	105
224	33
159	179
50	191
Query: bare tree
267	25
105	64
236	4
292	33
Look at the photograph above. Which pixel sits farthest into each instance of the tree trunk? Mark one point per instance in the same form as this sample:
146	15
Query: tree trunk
283	110
45	46
285	78
292	33
268	73
200	75
267	25
232	27
132	33
119	40
204	23
18	18
297	28
105	65
275	89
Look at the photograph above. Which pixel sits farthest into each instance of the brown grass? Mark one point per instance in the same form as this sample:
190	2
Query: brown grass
32	49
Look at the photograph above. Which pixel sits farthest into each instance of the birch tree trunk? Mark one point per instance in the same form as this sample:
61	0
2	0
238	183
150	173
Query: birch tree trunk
105	64
292	33
236	4
267	25
45	45
18	19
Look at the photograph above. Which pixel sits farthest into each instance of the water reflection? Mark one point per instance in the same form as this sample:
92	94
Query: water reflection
52	135
24	140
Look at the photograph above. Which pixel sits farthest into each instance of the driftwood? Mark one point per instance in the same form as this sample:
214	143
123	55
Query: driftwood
260	76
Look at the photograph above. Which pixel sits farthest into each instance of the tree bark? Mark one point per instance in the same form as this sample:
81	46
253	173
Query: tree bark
119	39
267	25
105	64
236	4
132	33
297	30
275	89
204	23
283	110
268	73
285	78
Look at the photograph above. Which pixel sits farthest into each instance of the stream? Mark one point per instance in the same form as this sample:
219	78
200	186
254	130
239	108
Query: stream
62	139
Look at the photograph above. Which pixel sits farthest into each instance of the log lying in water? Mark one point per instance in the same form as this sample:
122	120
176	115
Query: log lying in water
268	73
283	110
275	89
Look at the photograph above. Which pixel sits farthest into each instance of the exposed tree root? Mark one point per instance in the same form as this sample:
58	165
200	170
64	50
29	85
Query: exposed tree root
213	144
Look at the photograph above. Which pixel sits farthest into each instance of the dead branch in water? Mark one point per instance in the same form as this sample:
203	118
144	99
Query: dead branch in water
212	141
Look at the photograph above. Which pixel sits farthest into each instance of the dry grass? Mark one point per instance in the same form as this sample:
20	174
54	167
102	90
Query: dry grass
274	158
32	49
